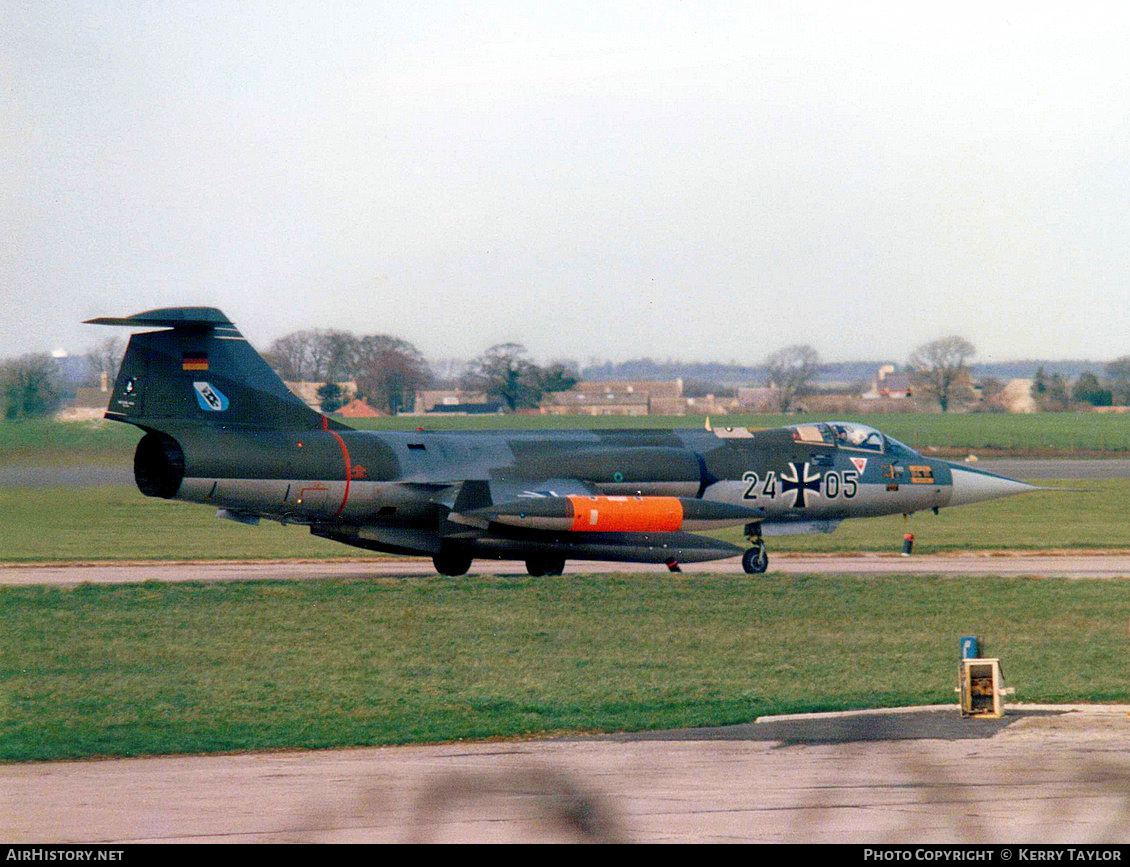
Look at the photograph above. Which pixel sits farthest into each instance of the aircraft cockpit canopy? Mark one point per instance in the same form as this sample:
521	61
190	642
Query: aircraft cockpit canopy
896	449
814	434
853	435
850	435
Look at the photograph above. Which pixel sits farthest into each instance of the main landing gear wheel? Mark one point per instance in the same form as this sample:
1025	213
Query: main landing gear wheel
755	560
452	563
540	567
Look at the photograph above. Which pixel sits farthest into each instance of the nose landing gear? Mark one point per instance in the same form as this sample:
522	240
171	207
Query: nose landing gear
756	559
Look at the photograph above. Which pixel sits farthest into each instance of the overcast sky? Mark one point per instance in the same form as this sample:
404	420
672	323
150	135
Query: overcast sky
675	180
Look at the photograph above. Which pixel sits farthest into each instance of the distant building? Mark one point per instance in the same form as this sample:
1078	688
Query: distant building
708	405
617	398
593	402
489	407
1017	396
89	404
758	399
358	408
454	402
652	388
887	383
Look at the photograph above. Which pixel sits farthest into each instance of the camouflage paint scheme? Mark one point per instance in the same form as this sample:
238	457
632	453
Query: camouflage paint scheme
223	430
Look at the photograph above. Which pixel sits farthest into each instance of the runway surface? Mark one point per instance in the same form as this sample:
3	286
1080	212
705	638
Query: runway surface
1049	564
1040	775
1055	468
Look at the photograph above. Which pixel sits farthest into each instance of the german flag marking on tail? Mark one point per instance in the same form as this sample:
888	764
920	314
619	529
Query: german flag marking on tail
194	361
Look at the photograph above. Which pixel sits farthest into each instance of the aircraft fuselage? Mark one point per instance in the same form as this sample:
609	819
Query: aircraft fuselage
396	491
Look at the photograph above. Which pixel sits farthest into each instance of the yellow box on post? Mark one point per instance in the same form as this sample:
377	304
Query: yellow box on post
981	686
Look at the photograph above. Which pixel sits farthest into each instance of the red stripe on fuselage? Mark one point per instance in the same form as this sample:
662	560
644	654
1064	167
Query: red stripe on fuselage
348	471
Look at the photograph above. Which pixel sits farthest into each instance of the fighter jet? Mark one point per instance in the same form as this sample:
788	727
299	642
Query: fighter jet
222	429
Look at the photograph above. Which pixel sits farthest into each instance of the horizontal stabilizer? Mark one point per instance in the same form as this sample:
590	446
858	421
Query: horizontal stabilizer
168	317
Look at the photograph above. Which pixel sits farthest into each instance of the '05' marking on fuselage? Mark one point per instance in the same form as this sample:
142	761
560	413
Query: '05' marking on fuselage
834	484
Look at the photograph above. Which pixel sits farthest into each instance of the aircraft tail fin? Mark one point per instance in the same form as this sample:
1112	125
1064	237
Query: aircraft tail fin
200	369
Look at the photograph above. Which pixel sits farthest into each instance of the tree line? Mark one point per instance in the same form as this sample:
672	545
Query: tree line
939	370
389	371
1054	392
33	385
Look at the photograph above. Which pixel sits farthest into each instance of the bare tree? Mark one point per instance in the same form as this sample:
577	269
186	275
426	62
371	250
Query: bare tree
790	370
940	368
290	356
316	355
334	356
106	358
446	372
504	372
390	371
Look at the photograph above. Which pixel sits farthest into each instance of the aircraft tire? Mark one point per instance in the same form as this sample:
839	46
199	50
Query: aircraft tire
542	566
755	560
452	564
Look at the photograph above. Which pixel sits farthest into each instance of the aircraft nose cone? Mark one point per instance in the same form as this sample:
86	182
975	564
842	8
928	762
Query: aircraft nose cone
976	486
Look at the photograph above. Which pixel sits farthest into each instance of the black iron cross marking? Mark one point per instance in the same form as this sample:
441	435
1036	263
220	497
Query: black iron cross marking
800	481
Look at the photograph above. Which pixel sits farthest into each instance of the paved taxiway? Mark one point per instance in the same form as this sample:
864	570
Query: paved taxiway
1041	774
1051	564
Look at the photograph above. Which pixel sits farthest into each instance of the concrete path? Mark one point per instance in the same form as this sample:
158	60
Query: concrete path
1041	775
1047	564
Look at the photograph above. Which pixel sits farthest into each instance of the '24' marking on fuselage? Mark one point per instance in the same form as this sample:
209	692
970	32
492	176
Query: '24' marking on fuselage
834	484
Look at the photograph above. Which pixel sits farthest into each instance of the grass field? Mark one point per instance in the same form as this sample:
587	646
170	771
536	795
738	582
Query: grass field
46	442
148	669
155	668
42	443
117	522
